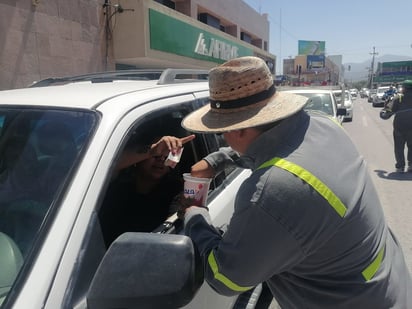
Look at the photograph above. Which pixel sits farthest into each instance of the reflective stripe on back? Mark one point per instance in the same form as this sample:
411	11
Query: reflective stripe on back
310	179
333	200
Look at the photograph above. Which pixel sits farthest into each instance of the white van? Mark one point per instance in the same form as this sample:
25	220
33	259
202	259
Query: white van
59	143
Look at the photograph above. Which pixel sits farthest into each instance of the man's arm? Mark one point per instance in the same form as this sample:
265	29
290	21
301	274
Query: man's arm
215	162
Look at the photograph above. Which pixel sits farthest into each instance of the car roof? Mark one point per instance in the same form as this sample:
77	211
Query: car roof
89	94
80	95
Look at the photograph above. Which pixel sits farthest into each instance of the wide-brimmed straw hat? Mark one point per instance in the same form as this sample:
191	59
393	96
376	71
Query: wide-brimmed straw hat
242	95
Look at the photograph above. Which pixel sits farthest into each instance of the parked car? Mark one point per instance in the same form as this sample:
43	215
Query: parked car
59	145
364	92
353	92
348	103
372	93
377	99
322	101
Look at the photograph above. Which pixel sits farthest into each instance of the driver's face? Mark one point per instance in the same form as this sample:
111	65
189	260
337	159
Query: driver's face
154	167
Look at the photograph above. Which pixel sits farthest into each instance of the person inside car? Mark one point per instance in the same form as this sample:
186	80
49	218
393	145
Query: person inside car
140	197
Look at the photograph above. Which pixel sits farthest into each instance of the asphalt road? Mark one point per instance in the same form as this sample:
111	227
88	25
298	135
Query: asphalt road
373	138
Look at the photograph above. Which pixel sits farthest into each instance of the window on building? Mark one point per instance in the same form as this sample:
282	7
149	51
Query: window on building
210	20
245	37
168	3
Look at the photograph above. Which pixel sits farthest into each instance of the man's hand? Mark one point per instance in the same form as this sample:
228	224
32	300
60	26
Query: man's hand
183	204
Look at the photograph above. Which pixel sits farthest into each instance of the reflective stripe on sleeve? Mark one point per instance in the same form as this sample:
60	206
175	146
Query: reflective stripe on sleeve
222	278
310	179
371	270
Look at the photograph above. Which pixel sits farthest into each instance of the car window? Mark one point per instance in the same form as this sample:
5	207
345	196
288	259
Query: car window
38	150
148	212
140	196
338	95
319	102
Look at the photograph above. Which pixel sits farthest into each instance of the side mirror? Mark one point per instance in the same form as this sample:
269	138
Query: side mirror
147	270
385	114
341	111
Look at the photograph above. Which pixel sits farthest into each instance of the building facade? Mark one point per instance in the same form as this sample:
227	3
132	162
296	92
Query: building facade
43	38
392	72
309	70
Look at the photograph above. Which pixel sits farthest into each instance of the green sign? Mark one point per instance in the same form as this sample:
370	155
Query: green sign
174	36
397	64
391	78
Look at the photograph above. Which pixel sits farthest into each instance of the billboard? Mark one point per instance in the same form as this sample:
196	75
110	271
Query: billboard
315	62
311	47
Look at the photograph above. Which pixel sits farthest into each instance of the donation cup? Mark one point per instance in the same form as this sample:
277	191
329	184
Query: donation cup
196	189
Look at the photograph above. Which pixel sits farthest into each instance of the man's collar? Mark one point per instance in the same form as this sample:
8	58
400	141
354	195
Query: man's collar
269	142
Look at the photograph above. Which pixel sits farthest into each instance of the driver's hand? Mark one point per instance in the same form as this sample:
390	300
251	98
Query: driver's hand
169	144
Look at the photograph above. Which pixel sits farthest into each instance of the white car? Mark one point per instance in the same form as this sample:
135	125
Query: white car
58	148
377	99
354	92
321	100
348	103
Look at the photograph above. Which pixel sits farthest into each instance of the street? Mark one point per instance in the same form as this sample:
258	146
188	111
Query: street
373	138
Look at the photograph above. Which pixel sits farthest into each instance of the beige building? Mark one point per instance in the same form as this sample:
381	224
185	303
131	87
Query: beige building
48	38
44	38
300	71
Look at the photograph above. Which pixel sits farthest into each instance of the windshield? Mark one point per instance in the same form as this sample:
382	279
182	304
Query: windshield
38	149
319	102
338	95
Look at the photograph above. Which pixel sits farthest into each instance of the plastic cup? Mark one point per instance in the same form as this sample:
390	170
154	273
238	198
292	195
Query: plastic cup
196	189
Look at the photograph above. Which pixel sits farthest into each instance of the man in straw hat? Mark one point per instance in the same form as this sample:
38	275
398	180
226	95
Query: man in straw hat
308	220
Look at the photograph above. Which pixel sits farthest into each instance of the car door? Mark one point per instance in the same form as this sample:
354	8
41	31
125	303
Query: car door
86	246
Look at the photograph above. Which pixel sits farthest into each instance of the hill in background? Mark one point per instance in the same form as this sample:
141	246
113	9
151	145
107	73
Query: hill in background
359	71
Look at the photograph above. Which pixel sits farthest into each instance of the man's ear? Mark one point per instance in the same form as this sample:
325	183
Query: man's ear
249	133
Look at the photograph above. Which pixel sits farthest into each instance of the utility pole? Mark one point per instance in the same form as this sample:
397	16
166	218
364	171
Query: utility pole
372	67
280	44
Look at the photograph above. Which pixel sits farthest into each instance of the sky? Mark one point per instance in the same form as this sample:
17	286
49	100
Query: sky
349	28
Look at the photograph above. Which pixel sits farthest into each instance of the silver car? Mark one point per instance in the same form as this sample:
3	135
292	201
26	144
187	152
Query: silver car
322	100
348	103
377	99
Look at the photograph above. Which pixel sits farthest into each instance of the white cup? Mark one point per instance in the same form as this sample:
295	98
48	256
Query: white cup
196	189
